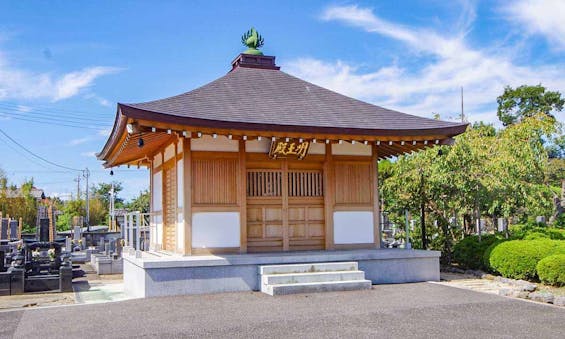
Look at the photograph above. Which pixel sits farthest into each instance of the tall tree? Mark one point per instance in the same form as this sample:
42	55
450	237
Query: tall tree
526	101
140	203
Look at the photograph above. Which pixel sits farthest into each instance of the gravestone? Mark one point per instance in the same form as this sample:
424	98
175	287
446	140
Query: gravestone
76	233
4	229
68	244
501	224
14	226
540	218
44	229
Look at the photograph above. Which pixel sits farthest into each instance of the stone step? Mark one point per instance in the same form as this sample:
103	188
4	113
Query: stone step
296	278
305	268
328	286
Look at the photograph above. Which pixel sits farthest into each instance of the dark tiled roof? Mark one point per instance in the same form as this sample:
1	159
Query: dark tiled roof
267	97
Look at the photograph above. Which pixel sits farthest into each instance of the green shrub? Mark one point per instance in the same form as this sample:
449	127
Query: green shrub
536	235
551	270
486	255
469	251
518	258
533	231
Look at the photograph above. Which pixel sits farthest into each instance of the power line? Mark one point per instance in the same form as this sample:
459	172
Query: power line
22	107
37	156
24	155
37	115
52	123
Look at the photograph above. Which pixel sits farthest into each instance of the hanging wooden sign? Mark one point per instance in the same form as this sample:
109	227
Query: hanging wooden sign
284	149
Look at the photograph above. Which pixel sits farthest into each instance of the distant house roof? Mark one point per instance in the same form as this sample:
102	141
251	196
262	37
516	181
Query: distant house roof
256	96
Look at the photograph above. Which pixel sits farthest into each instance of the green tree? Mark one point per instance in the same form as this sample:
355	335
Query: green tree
102	192
140	203
526	101
497	173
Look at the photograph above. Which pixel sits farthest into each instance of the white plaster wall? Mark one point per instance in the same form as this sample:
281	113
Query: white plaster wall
158	206
347	148
353	227
157	160
317	148
220	144
256	146
215	229
169	152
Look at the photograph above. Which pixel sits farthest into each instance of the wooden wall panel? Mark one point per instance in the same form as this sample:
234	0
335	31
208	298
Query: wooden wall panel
352	182
214	181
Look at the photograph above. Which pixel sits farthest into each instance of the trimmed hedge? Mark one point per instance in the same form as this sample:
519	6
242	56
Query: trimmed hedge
469	251
536	231
486	256
517	259
551	270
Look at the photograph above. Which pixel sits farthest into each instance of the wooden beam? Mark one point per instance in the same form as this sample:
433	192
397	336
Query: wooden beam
242	194
187	196
285	224
375	196
328	198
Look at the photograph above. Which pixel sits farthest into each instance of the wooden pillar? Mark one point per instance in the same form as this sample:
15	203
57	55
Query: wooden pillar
285	205
242	197
187	196
375	195
329	198
20	227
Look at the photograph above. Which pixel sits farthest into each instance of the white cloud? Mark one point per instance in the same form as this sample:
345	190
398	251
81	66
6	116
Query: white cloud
79	141
105	132
434	86
17	83
91	154
545	17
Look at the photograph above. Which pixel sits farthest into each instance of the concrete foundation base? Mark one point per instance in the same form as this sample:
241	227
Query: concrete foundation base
149	274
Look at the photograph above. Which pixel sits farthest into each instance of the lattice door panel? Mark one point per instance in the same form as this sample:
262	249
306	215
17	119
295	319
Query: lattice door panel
170	208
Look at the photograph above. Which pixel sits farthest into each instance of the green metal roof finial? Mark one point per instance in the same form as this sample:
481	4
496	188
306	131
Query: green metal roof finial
252	40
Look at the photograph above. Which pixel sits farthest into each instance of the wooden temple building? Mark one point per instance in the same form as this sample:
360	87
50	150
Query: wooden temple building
259	161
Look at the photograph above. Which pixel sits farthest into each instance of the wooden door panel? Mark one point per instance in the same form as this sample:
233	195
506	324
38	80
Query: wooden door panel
265	213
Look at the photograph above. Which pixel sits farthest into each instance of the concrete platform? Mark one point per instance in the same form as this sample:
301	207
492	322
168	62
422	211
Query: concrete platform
149	274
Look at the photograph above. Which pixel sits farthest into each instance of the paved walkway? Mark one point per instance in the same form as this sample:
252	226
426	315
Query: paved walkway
422	310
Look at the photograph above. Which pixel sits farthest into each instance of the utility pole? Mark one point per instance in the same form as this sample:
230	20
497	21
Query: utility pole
86	174
112	210
77	180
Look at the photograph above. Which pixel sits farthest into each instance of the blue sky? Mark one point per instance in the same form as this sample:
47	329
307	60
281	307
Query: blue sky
70	62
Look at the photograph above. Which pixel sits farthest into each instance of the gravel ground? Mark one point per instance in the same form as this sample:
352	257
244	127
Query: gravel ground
422	310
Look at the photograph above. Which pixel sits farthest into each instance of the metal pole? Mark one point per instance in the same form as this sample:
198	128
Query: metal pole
86	175
112	217
407	245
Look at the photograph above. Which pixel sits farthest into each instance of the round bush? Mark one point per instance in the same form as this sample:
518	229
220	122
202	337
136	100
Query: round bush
551	270
536	235
486	255
469	251
517	259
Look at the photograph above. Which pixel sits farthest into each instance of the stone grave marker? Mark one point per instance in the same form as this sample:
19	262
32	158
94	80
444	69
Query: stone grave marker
14	226
44	229
3	229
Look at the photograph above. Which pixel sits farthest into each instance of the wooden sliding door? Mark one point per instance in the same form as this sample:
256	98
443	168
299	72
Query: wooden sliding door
285	208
